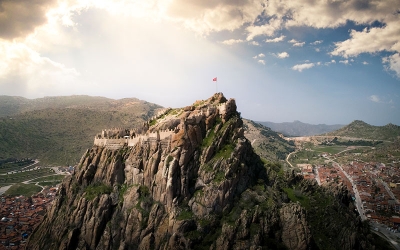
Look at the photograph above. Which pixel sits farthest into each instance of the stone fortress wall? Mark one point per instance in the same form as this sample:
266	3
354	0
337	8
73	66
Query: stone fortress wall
130	140
118	137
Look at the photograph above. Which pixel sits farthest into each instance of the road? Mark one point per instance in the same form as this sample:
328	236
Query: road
358	200
14	172
391	237
4	189
36	162
287	158
359	204
317	176
389	191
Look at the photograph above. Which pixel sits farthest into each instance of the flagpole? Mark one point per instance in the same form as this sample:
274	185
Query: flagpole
215	79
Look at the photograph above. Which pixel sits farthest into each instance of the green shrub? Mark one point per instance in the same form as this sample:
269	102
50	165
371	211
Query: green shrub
185	215
169	159
96	189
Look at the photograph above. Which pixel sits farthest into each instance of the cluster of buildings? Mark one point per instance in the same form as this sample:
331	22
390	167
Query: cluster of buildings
379	190
377	184
20	215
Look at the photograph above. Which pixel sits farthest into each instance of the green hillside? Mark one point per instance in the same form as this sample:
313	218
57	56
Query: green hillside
360	129
61	134
267	143
12	105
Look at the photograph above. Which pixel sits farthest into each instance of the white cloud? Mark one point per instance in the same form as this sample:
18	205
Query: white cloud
25	71
331	62
299	44
276	39
296	43
365	63
301	67
316	42
19	18
371	40
255	43
282	55
47	31
209	16
261	62
268	29
317	50
346	62
392	63
374	98
261	55
232	41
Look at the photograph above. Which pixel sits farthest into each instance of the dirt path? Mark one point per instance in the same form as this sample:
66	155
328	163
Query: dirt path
4	189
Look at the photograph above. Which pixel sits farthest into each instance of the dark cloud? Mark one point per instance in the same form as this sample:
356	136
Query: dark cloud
20	17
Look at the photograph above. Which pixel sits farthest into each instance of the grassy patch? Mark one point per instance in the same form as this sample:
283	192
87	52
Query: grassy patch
225	151
153	122
209	139
296	195
219	176
329	149
96	189
49	183
23	189
18	177
169	159
8	166
185	215
52	178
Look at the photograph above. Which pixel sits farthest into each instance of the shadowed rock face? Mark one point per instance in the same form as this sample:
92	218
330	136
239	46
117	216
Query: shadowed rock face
201	188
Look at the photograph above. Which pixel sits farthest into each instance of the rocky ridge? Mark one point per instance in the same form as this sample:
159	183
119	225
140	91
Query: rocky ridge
201	188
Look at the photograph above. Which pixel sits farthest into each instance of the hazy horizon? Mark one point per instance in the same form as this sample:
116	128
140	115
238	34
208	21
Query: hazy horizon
293	121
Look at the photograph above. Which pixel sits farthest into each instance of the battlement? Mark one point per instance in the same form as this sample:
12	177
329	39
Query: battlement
160	114
129	139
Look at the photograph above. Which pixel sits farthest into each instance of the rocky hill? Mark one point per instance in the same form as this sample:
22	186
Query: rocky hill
360	129
298	128
267	143
202	187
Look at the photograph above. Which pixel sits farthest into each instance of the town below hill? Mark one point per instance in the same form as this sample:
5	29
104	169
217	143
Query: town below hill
369	169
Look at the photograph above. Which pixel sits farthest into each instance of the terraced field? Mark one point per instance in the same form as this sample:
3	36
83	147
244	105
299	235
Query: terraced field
14	173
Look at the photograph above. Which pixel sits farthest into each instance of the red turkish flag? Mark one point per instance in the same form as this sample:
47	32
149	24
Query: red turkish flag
214	79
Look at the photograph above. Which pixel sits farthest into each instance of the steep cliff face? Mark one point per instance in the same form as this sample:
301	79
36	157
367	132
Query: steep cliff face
201	188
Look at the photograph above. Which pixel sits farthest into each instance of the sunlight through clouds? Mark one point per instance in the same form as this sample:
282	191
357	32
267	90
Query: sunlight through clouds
103	46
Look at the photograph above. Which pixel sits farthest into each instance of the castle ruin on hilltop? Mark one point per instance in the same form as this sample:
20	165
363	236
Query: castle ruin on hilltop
116	138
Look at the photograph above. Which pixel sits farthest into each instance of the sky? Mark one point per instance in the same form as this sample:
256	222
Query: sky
320	62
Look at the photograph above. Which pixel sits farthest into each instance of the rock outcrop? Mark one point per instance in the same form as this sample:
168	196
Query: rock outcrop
201	188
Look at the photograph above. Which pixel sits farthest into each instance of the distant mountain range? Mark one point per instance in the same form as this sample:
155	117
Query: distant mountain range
298	128
360	129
